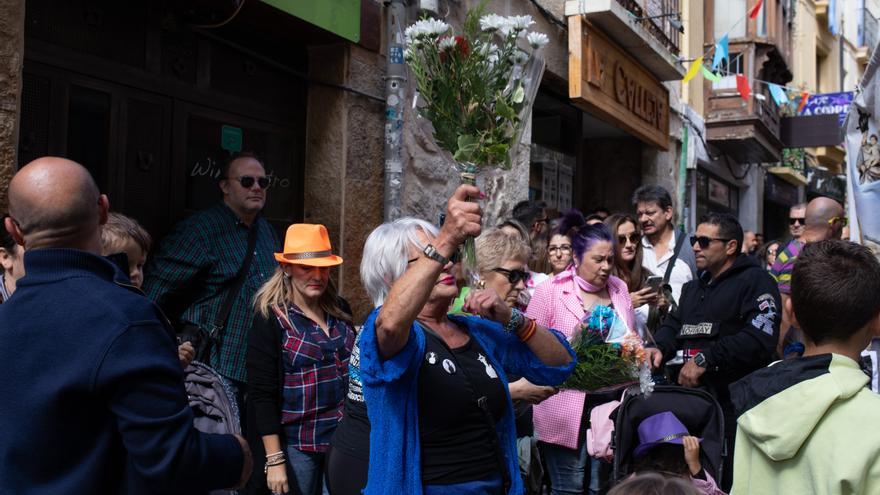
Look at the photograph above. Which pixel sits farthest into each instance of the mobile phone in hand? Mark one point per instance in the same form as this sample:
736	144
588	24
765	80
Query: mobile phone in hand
654	282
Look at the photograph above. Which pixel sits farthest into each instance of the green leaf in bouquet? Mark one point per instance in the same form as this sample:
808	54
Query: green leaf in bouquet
504	110
498	150
518	95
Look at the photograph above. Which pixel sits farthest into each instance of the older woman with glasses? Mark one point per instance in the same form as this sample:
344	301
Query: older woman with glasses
435	385
502	261
562	303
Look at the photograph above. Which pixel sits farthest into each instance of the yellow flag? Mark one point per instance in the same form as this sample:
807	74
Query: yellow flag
695	67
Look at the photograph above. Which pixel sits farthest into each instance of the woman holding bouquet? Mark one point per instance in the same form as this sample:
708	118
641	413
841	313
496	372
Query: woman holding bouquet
435	385
562	303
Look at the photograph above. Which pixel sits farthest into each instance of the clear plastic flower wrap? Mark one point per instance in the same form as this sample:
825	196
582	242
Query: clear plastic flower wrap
477	88
610	355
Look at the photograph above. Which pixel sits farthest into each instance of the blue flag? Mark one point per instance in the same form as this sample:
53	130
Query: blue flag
778	94
721	52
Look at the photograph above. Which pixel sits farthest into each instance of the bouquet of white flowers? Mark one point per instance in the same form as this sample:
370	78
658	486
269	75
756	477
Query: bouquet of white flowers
477	88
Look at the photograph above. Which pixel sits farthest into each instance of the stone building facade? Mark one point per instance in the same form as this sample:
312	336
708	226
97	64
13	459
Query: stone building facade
151	98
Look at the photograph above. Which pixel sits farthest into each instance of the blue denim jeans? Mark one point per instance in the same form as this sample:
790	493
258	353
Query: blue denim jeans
305	472
491	486
565	467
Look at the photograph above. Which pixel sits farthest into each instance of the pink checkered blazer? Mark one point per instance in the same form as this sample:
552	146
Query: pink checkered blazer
557	304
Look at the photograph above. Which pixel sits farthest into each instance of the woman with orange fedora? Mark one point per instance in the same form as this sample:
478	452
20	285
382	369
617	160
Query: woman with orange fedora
297	362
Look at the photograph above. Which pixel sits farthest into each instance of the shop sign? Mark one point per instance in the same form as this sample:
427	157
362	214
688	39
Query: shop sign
828	104
340	17
606	82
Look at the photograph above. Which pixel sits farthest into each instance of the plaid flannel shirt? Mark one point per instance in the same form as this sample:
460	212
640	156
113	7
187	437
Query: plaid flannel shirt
315	379
195	264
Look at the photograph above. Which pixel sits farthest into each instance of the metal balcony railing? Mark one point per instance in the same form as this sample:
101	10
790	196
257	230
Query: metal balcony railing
868	30
660	27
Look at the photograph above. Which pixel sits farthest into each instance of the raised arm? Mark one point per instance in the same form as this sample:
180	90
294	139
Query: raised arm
410	292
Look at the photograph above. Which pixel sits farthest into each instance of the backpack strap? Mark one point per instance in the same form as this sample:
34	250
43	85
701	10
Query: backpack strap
678	243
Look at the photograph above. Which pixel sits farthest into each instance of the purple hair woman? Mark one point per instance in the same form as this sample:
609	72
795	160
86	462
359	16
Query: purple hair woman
562	303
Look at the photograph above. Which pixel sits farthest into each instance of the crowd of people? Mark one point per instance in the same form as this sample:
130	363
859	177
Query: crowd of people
449	386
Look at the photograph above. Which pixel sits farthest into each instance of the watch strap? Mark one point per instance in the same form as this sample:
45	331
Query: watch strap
431	252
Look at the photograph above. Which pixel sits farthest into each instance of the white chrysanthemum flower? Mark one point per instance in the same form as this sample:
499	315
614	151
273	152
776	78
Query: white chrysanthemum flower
492	22
537	40
425	28
447	44
520	22
408	55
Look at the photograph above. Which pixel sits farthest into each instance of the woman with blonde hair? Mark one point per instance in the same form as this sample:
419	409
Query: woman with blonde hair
297	362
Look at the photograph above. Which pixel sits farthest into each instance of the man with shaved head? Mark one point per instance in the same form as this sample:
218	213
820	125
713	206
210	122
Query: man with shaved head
93	391
823	219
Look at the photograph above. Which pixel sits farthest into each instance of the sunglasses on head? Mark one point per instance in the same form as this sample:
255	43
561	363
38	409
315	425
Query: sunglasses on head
704	241
633	238
247	181
794	220
513	276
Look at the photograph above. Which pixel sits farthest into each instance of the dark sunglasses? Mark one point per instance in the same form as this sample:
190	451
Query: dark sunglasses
513	276
792	221
247	181
633	238
704	241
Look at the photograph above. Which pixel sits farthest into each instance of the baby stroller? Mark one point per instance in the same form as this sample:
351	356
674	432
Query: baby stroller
696	409
212	402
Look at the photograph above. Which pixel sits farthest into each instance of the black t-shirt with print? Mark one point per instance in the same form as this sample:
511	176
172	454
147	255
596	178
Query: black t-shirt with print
453	429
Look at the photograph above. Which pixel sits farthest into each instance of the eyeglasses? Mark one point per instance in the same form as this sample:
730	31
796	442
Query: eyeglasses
794	220
247	181
563	249
843	220
513	276
704	241
633	238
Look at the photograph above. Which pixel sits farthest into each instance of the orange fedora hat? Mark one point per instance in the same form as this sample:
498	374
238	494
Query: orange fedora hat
307	244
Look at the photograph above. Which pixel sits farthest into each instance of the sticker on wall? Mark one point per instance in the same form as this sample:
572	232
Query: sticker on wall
230	138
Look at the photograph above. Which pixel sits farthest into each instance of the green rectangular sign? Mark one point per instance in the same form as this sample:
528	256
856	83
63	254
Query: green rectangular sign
341	17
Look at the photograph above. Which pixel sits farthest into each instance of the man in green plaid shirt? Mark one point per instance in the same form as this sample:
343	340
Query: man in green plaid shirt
198	260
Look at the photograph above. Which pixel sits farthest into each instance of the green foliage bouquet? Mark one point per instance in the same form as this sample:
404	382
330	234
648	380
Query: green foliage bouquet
609	355
477	88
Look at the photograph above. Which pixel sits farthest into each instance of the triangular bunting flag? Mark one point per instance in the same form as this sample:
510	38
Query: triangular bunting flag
721	52
742	85
695	67
708	74
804	97
778	94
754	12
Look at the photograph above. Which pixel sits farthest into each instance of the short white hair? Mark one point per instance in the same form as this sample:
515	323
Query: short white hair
386	253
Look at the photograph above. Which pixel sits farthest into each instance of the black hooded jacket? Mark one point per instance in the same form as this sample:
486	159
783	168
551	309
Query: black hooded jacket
733	320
